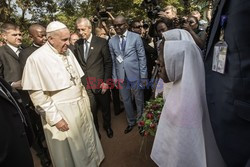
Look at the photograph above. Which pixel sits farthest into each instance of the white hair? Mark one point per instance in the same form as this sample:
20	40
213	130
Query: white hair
85	21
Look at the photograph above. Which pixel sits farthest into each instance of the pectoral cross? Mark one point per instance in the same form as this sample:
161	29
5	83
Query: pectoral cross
72	79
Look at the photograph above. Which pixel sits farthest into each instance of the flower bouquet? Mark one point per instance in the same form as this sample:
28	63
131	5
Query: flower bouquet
148	123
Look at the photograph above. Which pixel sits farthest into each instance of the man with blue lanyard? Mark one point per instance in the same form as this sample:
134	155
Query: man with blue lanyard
227	64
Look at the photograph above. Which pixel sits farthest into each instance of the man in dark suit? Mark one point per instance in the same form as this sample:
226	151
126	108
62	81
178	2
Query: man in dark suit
10	69
118	108
228	94
93	55
14	146
38	35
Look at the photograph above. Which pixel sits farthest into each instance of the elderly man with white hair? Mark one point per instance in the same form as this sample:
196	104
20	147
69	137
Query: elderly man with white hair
52	76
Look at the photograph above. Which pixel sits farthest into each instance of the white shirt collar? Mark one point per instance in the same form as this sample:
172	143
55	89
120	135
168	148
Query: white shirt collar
36	45
90	38
124	34
13	47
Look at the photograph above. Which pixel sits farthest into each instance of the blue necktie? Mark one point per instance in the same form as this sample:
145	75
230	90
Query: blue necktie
86	50
123	43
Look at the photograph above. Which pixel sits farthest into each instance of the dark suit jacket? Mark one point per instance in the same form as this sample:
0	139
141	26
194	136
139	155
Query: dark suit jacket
151	56
10	69
25	53
14	147
72	48
23	56
98	65
228	95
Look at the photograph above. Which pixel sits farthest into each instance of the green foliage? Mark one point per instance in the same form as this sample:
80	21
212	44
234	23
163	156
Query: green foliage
67	11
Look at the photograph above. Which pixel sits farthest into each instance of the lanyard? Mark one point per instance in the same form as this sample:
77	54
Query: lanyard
223	22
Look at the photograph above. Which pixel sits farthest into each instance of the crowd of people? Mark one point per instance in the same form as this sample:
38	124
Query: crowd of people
52	90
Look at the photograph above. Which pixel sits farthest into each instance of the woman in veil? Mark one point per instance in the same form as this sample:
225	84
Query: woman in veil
184	135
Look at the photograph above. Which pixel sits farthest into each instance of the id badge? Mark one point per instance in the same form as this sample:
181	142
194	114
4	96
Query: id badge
119	59
219	57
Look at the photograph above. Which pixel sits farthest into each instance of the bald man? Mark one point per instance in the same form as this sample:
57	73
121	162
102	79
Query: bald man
38	35
129	69
72	40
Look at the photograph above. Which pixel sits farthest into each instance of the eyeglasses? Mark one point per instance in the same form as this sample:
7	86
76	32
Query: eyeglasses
118	25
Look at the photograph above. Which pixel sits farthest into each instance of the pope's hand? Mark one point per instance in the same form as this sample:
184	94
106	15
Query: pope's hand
62	125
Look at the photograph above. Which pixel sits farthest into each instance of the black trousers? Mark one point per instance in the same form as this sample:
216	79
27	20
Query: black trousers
116	100
102	101
36	123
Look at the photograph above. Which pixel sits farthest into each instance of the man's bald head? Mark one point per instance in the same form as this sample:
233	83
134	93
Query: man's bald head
38	34
35	27
120	25
121	18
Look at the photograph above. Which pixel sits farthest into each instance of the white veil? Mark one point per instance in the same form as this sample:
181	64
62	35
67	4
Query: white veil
184	132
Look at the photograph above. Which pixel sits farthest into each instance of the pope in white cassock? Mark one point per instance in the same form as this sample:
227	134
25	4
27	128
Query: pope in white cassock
52	77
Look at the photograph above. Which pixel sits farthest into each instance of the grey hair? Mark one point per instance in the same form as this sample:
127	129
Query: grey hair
85	21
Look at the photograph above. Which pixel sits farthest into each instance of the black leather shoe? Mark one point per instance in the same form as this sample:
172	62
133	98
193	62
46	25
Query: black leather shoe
45	160
109	132
128	129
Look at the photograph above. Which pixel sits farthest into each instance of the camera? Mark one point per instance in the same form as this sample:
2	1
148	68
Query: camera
145	25
95	19
103	12
152	8
182	21
154	2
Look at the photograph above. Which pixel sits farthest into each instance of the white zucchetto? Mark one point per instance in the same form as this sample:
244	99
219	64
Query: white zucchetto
54	26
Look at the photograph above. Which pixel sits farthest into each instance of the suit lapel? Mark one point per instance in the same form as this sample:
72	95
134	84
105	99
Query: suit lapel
127	42
80	52
11	52
92	46
215	25
117	44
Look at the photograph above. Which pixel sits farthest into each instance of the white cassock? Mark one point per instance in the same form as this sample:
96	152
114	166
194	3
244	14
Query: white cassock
53	81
